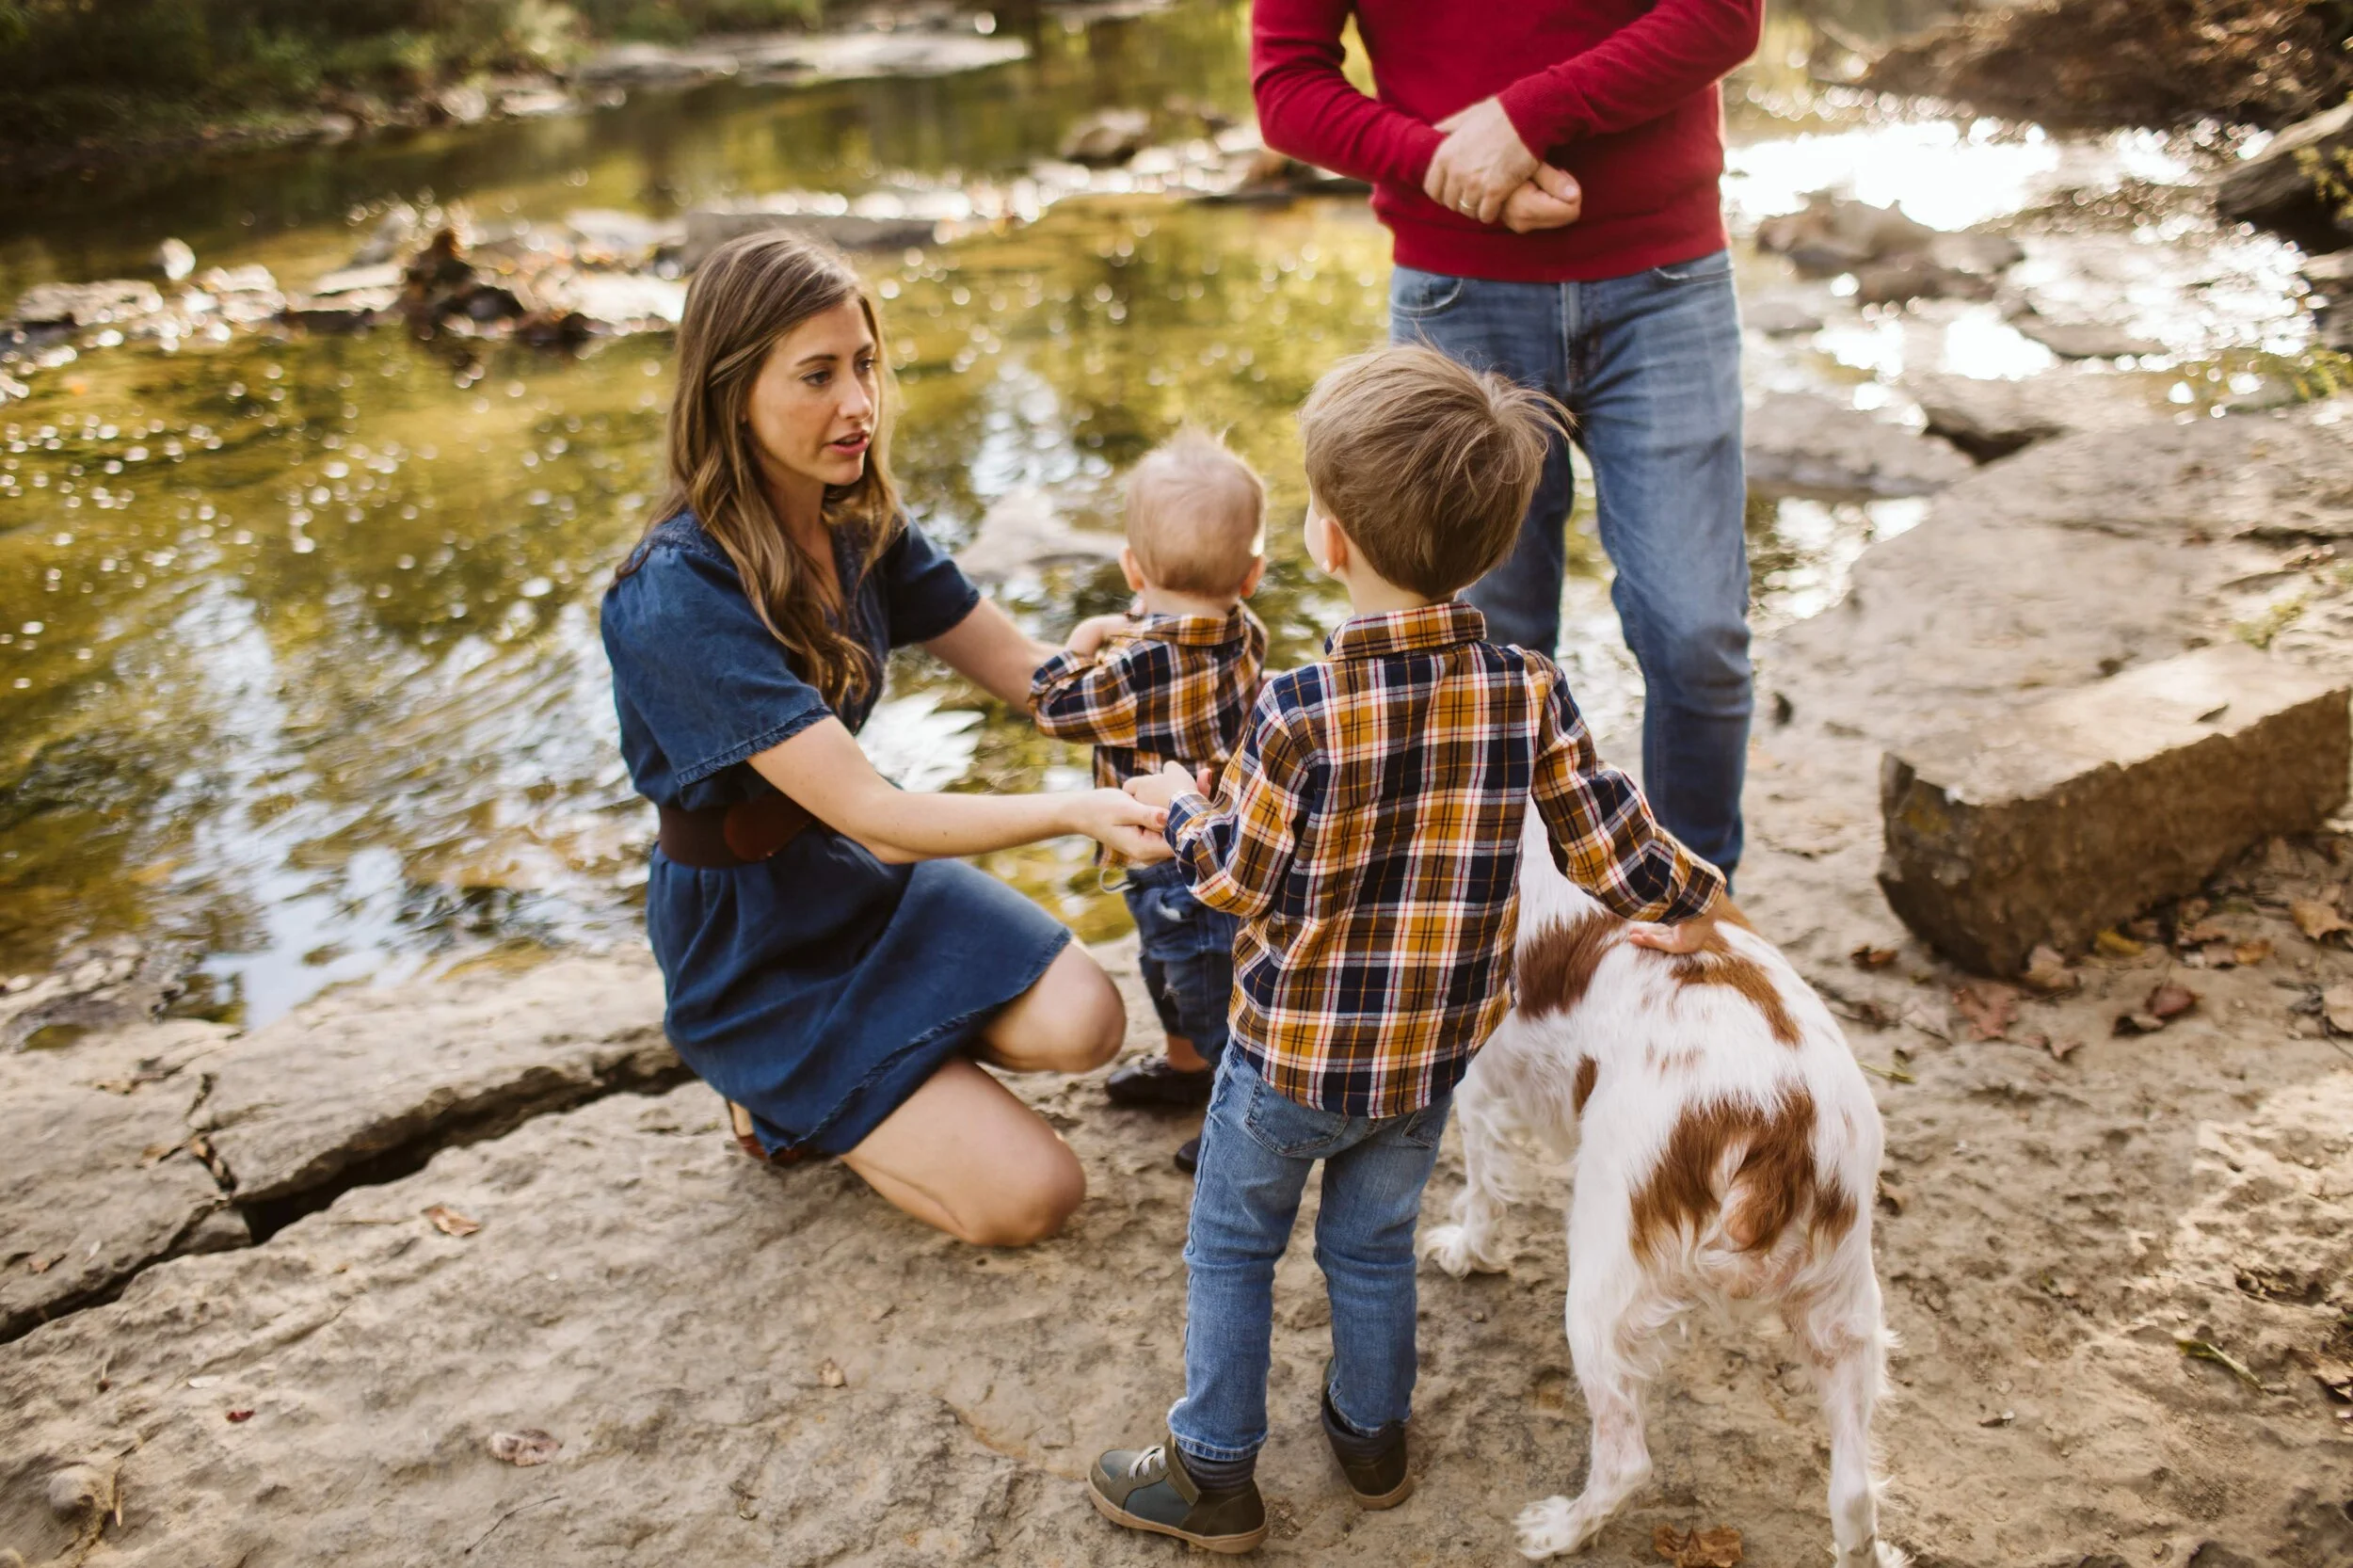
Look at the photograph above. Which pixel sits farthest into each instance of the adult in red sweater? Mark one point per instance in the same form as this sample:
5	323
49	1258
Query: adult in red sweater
1625	312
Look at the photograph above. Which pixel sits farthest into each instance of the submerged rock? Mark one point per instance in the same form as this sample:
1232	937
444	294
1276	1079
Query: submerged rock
1021	532
2084	339
2280	187
114	302
1893	256
1106	137
2075	813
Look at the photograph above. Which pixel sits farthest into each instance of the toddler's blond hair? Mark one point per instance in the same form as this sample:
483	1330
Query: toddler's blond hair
1196	515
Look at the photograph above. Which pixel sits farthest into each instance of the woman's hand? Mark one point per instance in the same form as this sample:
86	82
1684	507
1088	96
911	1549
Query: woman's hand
1088	639
1128	828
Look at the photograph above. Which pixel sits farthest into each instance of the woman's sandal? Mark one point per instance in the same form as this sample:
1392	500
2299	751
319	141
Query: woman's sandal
747	1138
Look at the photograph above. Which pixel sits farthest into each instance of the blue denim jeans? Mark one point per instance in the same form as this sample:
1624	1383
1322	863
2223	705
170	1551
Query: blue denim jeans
1257	1148
1649	366
1186	951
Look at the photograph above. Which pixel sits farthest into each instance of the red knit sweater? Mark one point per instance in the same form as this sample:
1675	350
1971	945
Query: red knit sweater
1620	93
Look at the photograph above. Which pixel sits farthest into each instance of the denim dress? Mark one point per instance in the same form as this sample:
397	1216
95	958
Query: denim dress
820	987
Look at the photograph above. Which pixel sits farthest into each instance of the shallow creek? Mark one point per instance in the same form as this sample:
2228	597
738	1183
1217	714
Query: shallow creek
298	668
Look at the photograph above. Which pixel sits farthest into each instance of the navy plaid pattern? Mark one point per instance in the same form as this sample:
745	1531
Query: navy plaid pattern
1367	832
1176	689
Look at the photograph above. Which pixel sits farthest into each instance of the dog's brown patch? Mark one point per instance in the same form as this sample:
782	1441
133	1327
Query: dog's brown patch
1556	964
1582	1089
1772	1185
1717	965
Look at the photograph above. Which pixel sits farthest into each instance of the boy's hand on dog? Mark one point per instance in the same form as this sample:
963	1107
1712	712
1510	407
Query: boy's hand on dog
1688	936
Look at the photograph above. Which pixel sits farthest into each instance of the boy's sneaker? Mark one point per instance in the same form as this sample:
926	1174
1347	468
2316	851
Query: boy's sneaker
1148	1488
1156	1086
1375	1465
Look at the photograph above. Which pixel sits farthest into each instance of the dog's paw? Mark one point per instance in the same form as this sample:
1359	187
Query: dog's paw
1451	1248
1549	1529
1872	1553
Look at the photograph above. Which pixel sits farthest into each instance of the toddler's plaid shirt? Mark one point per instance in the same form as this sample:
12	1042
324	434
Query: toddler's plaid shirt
1176	689
1368	831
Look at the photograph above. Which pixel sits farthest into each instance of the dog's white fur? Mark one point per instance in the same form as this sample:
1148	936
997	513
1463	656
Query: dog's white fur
1659	1048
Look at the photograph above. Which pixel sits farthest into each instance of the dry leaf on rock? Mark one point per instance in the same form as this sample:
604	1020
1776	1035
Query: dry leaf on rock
831	1375
2115	944
2336	1007
1708	1548
2169	1000
450	1222
526	1448
2137	1023
237	1416
1868	957
2047	972
2248	955
1989	1007
2318	922
2061	1049
2192	933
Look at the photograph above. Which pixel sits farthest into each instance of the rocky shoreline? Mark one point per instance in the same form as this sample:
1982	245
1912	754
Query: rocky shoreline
297	1283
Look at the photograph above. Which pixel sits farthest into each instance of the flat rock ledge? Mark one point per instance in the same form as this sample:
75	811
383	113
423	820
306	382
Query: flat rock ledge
134	1146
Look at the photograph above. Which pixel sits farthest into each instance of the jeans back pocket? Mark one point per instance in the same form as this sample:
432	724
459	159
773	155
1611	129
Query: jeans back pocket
1284	1127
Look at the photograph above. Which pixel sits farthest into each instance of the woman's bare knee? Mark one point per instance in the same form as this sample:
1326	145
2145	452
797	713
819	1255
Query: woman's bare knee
1071	1021
1030	1207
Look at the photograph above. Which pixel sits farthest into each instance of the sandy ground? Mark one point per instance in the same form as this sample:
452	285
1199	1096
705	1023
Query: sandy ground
775	1368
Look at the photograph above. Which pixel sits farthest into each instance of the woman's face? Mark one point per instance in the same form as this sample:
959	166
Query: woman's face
813	408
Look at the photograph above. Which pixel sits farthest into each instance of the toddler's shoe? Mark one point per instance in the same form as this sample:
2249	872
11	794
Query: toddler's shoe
1189	1155
1375	1465
1148	1488
1156	1085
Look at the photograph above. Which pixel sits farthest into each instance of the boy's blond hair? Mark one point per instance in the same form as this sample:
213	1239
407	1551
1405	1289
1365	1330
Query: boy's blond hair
1428	466
1196	515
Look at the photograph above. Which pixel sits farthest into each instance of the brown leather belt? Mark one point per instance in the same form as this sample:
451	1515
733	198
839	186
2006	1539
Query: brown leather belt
720	838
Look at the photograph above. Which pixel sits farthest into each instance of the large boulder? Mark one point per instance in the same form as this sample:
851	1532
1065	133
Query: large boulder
2080	811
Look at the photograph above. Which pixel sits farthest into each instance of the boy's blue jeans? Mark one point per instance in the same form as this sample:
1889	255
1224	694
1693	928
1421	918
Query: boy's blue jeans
1257	1148
1649	366
1185	952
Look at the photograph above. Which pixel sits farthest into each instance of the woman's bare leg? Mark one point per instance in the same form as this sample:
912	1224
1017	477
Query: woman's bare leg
963	1155
1071	1021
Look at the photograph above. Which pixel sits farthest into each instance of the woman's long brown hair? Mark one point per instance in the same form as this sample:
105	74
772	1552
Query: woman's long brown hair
746	295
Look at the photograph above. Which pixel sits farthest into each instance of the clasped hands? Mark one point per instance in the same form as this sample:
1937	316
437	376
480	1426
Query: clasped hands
1483	171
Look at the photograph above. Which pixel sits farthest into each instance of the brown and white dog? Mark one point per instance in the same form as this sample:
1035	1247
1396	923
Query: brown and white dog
1726	1150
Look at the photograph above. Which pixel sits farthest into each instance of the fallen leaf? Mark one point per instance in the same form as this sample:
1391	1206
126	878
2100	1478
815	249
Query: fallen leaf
2199	1350
41	1265
831	1375
2199	934
1893	1075
2115	944
450	1222
2137	1023
2005	1418
2063	1048
2047	972
1989	1007
1918	1016
1708	1548
239	1415
526	1448
2169	1000
1868	957
2248	955
1892	1194
2336	1007
2318	922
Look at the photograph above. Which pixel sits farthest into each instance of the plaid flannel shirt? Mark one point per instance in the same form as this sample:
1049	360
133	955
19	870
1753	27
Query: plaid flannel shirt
1176	689
1367	832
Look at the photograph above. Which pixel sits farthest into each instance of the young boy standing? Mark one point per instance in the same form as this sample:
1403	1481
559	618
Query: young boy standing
1367	833
1174	686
